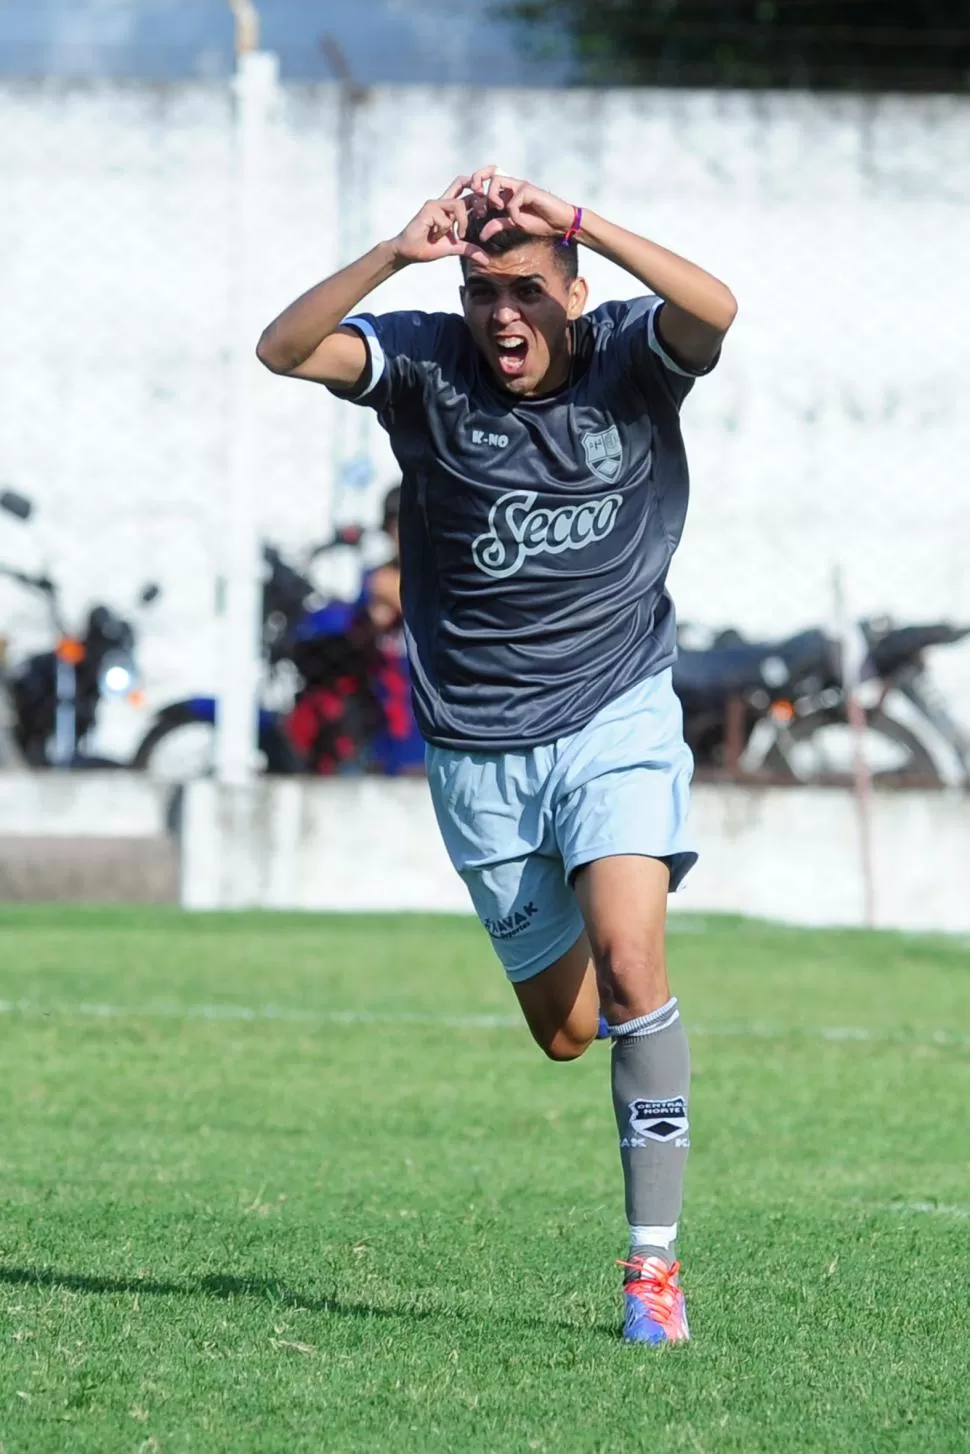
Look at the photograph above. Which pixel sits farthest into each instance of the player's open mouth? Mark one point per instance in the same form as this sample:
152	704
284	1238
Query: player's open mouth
512	354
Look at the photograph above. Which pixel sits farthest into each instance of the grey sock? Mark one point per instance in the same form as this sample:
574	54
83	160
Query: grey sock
651	1087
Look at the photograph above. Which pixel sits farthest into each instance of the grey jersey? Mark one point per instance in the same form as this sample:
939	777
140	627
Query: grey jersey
536	534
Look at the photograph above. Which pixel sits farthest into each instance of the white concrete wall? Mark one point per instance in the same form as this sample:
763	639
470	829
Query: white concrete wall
788	854
367	844
835	429
80	805
93	838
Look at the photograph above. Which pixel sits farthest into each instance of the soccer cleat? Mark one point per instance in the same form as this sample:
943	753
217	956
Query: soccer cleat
654	1302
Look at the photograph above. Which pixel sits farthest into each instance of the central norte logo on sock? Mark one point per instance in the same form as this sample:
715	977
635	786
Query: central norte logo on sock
659	1120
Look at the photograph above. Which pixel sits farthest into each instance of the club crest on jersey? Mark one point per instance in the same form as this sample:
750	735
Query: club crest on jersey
604	453
516	530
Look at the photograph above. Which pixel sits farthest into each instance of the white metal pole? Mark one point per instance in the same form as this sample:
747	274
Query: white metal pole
255	88
861	776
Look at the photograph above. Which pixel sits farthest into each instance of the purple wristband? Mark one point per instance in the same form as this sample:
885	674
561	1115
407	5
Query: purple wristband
573	227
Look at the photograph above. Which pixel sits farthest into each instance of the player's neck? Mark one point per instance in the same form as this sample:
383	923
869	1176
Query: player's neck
557	378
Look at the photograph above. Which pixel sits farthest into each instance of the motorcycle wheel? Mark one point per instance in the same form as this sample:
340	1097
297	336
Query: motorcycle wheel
177	748
819	747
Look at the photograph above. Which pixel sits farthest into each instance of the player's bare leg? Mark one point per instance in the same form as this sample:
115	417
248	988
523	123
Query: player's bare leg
561	1005
624	903
627	973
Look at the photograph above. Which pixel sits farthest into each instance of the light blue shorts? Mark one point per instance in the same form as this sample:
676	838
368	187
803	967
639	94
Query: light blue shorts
517	825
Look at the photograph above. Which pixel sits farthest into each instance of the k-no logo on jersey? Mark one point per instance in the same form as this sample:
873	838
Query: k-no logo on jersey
604	453
516	530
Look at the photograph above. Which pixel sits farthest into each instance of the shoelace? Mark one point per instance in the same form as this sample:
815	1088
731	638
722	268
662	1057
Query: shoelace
655	1288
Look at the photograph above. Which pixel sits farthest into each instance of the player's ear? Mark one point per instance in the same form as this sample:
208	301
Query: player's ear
577	299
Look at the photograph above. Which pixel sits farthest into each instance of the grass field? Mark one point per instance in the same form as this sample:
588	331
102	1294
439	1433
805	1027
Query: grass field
298	1184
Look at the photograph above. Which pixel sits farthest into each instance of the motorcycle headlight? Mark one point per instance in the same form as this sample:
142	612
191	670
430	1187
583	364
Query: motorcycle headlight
118	676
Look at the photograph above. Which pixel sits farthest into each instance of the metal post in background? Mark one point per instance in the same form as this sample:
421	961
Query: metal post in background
353	470
254	89
851	654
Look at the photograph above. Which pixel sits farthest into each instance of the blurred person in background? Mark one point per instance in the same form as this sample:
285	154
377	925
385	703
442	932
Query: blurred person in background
544	493
397	746
381	586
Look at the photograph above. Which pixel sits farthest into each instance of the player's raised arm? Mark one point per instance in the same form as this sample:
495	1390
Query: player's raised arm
306	341
699	309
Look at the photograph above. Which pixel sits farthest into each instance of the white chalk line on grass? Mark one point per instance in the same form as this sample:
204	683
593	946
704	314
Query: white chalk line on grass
281	1015
271	1013
933	1209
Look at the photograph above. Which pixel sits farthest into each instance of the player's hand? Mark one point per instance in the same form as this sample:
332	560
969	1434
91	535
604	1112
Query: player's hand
524	206
438	230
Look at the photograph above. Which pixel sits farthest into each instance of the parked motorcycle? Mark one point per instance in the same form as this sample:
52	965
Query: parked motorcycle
730	687
778	709
910	737
53	696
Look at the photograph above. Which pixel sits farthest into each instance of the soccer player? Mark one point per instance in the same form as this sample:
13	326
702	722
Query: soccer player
544	493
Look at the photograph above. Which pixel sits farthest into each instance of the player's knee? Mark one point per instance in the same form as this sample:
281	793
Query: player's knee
631	976
566	1045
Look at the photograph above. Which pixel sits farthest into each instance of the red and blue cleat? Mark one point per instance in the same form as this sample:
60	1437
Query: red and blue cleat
654	1310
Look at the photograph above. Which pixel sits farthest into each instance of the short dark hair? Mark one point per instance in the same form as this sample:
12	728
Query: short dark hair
565	255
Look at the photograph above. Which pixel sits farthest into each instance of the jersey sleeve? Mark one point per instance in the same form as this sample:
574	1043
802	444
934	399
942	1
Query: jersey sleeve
401	350
644	355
